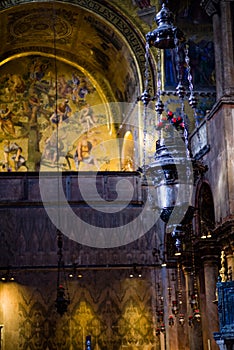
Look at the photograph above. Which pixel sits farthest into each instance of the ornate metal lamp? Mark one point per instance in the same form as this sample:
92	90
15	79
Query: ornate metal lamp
175	308
173	172
164	36
63	299
171	321
181	320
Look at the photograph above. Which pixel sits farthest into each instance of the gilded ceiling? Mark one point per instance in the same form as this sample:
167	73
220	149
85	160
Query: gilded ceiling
105	39
56	60
91	35
65	56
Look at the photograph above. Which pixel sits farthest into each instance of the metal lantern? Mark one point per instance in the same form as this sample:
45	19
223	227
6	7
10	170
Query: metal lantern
171	321
171	180
197	316
181	320
63	299
175	308
172	174
190	320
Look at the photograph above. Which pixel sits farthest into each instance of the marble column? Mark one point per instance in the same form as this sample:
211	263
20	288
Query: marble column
218	55
194	332
210	321
227	47
220	11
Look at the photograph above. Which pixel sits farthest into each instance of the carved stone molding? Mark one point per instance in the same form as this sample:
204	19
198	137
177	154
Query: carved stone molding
208	251
225	235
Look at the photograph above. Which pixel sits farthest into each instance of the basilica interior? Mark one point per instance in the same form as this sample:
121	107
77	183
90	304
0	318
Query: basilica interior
116	175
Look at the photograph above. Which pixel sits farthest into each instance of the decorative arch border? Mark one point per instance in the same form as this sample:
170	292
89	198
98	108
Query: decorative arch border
116	19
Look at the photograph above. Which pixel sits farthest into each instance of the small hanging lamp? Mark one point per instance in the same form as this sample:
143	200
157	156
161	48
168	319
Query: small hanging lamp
63	298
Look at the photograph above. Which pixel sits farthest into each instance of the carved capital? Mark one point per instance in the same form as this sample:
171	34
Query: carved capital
210	6
208	251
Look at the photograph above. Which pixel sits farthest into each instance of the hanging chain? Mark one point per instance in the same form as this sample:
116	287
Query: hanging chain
145	98
159	106
61	266
194	300
179	292
63	298
60	255
59	234
192	98
146	82
195	288
180	89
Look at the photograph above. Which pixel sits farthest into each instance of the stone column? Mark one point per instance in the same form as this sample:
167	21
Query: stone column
188	288
218	55
220	11
227	47
195	332
212	9
210	320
